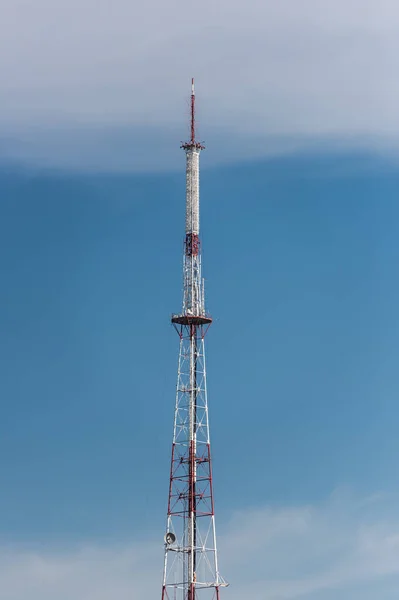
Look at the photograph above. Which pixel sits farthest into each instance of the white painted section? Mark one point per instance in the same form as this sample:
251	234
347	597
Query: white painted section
192	190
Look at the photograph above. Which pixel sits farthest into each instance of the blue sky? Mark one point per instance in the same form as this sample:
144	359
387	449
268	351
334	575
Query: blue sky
300	258
297	103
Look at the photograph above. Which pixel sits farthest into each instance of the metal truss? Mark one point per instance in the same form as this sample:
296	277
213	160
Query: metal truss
191	566
190	562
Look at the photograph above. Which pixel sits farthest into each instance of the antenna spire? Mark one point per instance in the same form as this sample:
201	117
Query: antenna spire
192	143
192	112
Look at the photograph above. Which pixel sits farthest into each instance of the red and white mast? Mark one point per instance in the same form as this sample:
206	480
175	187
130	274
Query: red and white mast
191	566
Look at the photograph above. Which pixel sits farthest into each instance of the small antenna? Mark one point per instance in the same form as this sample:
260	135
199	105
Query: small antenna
192	112
192	143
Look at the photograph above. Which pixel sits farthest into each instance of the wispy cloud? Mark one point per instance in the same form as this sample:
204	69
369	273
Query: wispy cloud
347	546
270	75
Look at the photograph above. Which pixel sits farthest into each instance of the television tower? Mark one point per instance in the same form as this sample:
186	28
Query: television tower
190	565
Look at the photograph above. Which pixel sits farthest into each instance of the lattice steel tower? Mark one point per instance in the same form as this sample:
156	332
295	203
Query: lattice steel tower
191	566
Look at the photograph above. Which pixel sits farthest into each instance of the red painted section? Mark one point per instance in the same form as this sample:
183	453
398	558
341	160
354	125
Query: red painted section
192	244
191	592
171	478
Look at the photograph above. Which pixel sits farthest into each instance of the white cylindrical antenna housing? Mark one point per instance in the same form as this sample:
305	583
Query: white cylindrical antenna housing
192	189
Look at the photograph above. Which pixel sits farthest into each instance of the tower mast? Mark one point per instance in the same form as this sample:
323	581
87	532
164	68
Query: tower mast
190	562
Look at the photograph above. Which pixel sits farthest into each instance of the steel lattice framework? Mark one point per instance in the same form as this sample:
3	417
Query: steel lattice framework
191	566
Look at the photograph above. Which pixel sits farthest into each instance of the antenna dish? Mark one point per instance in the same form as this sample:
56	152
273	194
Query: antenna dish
170	538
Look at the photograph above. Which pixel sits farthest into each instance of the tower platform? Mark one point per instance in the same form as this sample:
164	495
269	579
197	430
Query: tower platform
191	319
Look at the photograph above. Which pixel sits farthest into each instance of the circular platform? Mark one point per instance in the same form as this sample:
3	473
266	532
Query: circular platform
191	319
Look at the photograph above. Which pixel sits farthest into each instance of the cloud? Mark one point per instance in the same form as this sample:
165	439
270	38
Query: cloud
271	75
342	546
347	547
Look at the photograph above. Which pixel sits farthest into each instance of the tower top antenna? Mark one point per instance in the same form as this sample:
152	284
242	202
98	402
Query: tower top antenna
192	143
192	112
